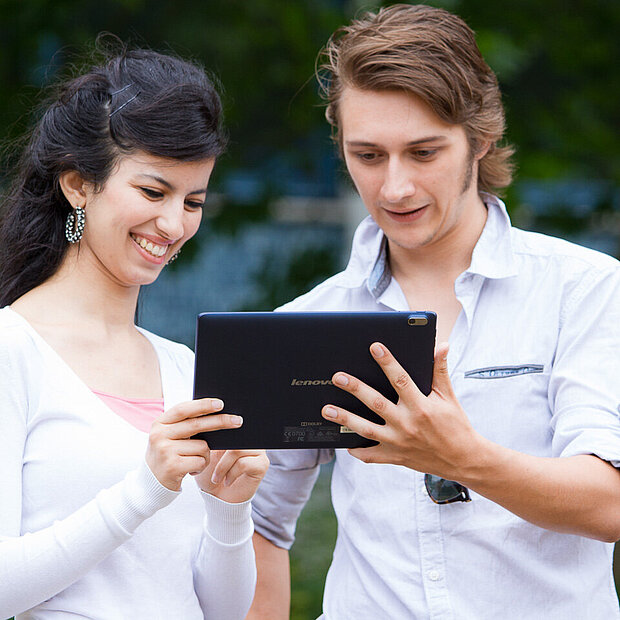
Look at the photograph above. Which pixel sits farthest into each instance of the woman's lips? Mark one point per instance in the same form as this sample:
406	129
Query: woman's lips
152	251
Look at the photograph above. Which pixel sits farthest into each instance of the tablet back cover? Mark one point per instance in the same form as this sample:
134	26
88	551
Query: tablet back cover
275	370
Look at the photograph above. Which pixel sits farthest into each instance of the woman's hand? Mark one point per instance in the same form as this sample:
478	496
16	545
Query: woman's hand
233	475
428	433
171	454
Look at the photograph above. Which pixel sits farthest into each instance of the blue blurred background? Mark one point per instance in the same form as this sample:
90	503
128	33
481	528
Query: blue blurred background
281	211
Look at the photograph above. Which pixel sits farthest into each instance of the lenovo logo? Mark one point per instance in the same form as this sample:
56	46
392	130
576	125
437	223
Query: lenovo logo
311	382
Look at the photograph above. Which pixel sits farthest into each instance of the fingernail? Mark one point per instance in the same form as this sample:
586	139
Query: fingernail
237	420
215	479
330	412
217	404
376	350
341	380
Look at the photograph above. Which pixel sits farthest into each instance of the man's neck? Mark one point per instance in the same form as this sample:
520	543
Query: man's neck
441	262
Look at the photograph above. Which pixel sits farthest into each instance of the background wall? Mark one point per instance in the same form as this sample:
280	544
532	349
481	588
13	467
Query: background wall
281	212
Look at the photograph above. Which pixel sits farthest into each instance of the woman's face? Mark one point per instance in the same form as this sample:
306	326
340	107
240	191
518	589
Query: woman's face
148	208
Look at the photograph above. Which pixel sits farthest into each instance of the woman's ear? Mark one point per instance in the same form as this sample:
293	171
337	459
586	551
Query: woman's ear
74	188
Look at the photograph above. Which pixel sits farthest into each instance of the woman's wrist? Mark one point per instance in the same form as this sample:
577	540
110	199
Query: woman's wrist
227	522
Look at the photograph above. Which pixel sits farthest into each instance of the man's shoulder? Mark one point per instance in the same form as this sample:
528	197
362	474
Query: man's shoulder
568	255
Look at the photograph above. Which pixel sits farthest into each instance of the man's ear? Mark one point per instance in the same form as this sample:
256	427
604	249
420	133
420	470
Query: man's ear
482	150
74	188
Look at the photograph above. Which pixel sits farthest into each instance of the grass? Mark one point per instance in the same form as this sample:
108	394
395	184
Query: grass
312	552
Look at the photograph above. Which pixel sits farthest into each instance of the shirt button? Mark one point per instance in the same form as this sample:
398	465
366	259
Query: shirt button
434	575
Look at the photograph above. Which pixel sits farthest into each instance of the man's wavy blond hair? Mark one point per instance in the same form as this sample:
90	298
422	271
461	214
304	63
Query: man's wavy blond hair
432	54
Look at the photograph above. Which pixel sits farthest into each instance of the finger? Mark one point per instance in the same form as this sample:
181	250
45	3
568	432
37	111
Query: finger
191	426
192	465
193	447
357	424
373	399
235	463
441	378
191	409
374	454
398	377
214	458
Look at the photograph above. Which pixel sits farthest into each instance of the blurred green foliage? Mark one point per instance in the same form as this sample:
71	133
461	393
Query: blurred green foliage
557	62
279	283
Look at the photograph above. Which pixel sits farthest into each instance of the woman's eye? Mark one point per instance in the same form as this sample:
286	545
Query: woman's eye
151	193
367	157
194	204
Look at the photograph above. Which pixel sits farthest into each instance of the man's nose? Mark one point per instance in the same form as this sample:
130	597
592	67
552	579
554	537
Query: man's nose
398	183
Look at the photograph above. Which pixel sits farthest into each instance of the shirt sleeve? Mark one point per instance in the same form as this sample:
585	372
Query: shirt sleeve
284	492
584	388
225	568
35	566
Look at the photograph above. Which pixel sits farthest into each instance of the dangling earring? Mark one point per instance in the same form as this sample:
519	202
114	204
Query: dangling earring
74	228
174	257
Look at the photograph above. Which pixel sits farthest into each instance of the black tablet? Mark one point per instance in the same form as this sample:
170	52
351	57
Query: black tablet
275	369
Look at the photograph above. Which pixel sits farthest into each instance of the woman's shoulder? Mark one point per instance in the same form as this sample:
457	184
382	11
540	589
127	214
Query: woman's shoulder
176	350
16	335
21	358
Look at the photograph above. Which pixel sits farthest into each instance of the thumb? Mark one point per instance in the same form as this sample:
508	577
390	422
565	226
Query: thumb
441	378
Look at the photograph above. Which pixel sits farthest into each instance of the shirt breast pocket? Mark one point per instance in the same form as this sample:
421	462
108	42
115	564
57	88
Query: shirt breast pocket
509	404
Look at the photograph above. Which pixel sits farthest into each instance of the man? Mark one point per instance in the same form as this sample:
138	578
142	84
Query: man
525	401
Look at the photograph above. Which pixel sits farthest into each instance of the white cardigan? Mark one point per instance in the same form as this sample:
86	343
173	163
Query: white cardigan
85	527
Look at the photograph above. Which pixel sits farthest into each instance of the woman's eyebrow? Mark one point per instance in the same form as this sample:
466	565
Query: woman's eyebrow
169	185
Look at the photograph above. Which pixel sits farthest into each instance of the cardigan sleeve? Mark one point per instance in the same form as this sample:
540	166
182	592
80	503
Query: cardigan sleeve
225	568
35	566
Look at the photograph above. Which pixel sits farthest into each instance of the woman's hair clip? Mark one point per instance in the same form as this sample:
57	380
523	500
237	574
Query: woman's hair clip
116	92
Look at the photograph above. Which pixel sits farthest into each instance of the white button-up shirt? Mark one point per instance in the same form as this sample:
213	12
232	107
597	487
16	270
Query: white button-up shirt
534	361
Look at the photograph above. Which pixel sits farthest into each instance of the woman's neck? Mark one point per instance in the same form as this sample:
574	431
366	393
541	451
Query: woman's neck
74	296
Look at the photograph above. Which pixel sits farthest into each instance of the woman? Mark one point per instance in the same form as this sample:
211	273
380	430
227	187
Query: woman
108	190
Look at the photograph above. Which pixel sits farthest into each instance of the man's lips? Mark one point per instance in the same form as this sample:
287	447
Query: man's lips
406	216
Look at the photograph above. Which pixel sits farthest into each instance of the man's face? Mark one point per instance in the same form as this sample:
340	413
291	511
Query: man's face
415	173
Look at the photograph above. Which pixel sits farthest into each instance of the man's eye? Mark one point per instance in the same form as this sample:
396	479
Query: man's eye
425	153
151	193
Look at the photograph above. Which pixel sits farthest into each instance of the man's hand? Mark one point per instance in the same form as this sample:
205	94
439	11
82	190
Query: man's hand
430	433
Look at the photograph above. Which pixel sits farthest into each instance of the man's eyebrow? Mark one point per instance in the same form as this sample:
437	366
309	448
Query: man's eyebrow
168	184
424	140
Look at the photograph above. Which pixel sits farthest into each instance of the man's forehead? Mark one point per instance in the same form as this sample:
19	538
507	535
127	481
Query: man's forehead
367	116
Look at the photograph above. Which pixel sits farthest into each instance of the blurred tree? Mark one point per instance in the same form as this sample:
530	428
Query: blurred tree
279	283
263	52
557	62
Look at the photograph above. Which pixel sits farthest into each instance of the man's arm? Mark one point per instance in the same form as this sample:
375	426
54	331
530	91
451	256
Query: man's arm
272	600
577	494
276	507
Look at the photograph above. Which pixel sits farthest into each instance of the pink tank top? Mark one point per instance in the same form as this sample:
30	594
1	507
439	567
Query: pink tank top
139	412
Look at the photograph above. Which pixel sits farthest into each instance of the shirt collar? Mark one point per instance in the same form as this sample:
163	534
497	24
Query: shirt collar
492	257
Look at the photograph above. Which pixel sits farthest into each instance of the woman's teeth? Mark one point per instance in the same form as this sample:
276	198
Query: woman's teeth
149	246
